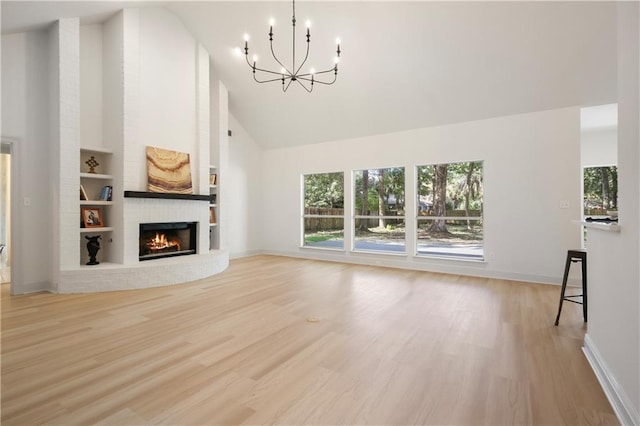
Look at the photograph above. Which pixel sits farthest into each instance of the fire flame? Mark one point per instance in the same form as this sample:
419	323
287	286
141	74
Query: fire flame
160	242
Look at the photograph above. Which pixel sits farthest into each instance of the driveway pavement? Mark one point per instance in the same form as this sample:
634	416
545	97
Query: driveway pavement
474	251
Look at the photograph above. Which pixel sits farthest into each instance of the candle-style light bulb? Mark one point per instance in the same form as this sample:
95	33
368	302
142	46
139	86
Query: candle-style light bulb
272	22
312	71
336	60
307	23
246	37
283	71
338	41
255	58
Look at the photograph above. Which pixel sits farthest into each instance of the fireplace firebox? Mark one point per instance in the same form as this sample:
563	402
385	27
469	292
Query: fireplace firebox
158	240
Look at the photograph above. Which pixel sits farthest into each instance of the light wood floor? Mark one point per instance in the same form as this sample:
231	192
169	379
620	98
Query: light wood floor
288	341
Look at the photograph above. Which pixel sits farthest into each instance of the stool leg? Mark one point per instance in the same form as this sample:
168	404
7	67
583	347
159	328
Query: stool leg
564	286
584	288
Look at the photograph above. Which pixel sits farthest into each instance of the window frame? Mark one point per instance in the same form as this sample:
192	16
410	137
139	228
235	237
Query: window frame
355	217
419	218
304	215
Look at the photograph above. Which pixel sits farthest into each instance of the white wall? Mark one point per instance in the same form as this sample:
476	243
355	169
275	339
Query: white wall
531	166
599	147
91	85
167	90
25	121
243	184
614	258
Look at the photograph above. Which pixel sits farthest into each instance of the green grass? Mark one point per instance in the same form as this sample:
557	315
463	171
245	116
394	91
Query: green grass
323	236
457	233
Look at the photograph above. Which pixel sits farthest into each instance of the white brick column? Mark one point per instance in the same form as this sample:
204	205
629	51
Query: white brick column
203	135
66	117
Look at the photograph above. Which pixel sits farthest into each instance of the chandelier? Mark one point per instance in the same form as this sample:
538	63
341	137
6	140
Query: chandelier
288	75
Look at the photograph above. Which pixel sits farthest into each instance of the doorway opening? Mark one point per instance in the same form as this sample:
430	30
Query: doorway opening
5	213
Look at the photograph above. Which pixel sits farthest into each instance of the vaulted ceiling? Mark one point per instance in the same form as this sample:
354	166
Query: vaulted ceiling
404	65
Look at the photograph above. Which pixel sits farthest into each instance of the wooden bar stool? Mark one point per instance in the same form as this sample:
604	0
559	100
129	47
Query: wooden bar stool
574	256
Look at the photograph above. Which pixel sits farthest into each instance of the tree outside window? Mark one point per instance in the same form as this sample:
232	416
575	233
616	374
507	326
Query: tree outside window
379	216
449	210
323	217
600	190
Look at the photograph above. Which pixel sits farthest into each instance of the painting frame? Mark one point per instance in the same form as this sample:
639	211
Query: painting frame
92	217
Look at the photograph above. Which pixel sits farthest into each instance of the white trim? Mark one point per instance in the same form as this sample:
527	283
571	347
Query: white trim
444	266
456	258
449	218
35	287
621	404
359	216
323	248
244	254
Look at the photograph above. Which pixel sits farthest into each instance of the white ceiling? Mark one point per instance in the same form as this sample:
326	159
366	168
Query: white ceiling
404	65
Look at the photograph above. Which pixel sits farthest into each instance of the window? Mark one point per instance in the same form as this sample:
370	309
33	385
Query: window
600	190
379	217
449	210
323	217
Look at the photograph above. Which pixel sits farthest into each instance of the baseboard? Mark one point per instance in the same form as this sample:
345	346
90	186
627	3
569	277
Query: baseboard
621	404
444	266
34	287
246	254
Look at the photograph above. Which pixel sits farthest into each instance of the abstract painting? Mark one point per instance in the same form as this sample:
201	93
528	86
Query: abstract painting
168	171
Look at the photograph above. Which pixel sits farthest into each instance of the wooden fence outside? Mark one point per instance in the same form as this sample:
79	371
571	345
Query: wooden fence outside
329	223
334	221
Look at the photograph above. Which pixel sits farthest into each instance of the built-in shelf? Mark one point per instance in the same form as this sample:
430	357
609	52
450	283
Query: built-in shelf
95	203
165	196
95	176
214	231
97	229
96	150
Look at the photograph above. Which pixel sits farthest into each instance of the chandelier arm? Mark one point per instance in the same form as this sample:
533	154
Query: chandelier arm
277	60
305	87
305	59
323	72
319	81
326	83
284	89
261	69
267	81
272	72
